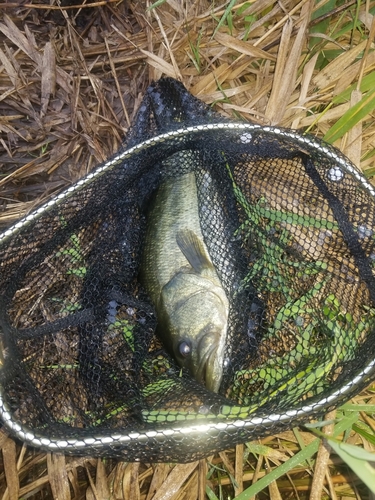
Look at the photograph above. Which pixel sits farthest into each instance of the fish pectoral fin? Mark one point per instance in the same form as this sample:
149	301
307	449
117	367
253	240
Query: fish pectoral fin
193	249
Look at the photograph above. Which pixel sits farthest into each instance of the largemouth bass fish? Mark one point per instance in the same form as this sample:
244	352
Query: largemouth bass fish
177	272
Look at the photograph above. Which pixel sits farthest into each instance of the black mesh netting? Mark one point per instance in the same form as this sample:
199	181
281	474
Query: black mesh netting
279	225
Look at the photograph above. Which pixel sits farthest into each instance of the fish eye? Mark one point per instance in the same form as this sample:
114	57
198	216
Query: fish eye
184	348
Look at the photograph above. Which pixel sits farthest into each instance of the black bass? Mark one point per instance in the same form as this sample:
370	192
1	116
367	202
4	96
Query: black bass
177	272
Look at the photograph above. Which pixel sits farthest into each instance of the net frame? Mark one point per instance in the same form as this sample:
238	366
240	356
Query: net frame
159	444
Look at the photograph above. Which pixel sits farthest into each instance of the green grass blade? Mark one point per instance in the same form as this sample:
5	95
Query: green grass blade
322	26
210	494
362	432
354	115
358	460
357	408
265	481
232	3
367	84
297	459
156	4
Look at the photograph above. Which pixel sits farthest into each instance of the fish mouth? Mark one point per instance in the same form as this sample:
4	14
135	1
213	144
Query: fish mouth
210	370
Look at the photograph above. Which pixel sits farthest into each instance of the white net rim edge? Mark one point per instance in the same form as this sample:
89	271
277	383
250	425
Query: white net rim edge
27	435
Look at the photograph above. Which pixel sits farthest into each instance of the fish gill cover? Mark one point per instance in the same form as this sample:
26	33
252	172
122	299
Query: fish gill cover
211	283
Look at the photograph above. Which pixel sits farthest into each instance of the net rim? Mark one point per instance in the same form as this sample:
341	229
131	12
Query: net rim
202	429
205	429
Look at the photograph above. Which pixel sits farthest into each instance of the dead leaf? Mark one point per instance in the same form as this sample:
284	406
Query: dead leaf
10	469
48	82
58	476
243	47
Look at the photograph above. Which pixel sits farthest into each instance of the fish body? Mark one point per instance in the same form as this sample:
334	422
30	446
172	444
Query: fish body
178	274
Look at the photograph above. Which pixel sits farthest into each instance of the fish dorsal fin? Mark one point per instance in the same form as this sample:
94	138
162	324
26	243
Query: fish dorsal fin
194	250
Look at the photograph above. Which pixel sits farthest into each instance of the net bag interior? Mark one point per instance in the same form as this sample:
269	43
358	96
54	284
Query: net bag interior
288	223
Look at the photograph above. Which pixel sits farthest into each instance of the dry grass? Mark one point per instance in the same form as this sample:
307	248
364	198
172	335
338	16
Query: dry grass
70	81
